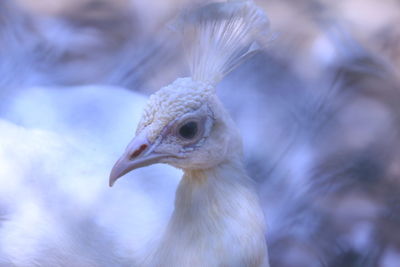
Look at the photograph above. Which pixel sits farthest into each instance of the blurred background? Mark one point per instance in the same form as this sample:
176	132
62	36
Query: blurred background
319	110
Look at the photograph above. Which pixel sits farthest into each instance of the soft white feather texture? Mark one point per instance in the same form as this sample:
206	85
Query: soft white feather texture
65	211
56	209
217	221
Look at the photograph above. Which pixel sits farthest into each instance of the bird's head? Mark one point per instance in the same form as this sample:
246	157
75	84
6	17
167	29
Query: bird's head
185	125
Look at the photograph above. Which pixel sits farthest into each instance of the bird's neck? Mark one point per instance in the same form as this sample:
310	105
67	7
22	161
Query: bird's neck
212	195
217	217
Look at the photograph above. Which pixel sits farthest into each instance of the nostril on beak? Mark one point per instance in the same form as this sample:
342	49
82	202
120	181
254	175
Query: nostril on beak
138	151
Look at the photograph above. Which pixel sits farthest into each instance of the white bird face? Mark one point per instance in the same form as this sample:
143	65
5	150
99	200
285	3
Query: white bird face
184	126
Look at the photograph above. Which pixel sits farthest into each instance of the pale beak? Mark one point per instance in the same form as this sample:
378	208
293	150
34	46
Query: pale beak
139	153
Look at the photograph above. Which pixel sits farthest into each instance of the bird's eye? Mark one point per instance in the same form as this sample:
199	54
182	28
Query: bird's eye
189	130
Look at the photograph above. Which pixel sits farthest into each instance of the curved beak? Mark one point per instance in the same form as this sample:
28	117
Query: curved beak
139	153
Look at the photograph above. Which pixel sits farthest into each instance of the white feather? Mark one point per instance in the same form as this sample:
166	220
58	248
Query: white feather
56	209
220	36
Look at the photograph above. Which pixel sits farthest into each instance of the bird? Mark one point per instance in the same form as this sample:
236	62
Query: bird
54	210
217	218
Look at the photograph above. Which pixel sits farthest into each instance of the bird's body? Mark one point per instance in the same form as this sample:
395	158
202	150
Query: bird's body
55	206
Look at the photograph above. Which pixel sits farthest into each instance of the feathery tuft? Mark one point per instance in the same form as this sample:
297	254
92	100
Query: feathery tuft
219	36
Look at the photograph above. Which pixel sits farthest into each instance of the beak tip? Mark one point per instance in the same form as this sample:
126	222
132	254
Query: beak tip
113	178
116	172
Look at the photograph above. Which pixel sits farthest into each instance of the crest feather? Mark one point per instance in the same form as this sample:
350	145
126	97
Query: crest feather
219	36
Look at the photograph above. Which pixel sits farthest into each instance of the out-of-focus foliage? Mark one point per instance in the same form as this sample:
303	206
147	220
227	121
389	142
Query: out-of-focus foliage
319	109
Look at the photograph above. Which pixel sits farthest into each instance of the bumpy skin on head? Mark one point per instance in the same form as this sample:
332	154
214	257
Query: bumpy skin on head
172	101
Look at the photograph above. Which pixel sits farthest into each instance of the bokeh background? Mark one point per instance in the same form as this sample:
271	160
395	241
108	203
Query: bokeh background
319	110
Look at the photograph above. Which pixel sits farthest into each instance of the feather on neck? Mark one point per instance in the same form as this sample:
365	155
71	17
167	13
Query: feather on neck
217	221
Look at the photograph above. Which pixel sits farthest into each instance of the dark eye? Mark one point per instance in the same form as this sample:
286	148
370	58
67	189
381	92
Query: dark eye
188	130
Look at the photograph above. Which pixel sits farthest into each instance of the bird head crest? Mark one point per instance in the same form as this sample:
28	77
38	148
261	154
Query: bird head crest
219	36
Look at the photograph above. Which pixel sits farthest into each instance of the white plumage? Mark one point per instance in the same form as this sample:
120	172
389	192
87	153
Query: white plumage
65	217
56	208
